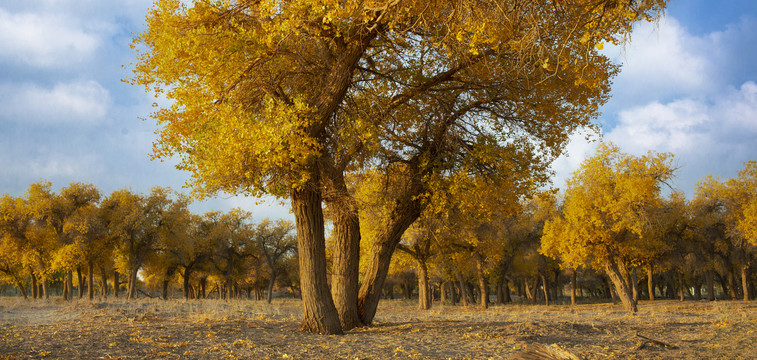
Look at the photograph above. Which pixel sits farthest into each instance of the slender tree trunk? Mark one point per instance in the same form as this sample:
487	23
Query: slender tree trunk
545	287
346	259
104	281
465	295
745	281
132	285
70	285
615	272
91	280
320	314
573	277
506	288
185	284
20	284
229	289
731	285
80	278
650	281
483	285
681	287
116	283
270	285
529	295
203	281
424	295
698	289
34	286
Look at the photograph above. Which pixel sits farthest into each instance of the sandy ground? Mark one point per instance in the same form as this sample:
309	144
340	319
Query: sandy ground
211	329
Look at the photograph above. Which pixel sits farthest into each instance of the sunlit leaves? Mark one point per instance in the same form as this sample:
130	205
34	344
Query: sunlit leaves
610	204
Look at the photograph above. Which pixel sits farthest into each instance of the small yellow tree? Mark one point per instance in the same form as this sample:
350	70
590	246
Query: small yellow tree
608	206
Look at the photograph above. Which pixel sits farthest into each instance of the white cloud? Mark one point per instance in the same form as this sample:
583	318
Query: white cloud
75	102
662	58
44	40
261	208
582	145
58	166
676	126
693	96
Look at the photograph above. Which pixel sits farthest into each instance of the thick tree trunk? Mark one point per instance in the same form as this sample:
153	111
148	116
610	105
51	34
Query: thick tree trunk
91	280
406	210
346	260
203	282
45	288
745	281
164	291
573	277
185	284
710	285
424	295
681	287
116	283
615	272
320	314
698	289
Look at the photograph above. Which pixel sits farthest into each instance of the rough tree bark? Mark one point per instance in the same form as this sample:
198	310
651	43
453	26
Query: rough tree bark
573	278
710	285
116	283
483	285
424	295
80	278
406	211
615	271
91	279
34	286
745	281
319	313
545	287
346	259
650	281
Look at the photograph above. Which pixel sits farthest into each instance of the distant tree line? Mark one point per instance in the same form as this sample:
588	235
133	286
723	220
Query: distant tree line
610	234
126	239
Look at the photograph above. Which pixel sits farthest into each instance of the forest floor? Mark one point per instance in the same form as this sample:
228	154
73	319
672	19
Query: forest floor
212	329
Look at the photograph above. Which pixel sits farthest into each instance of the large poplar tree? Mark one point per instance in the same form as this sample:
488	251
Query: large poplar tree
285	97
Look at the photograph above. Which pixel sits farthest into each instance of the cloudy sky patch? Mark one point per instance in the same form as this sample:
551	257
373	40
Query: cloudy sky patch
44	40
688	86
83	102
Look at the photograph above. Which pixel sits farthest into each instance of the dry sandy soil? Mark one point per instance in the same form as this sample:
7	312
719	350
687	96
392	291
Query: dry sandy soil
212	329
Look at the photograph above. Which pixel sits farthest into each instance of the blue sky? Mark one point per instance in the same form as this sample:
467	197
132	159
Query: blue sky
688	86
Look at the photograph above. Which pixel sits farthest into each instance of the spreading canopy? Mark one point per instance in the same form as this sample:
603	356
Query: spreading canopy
261	89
